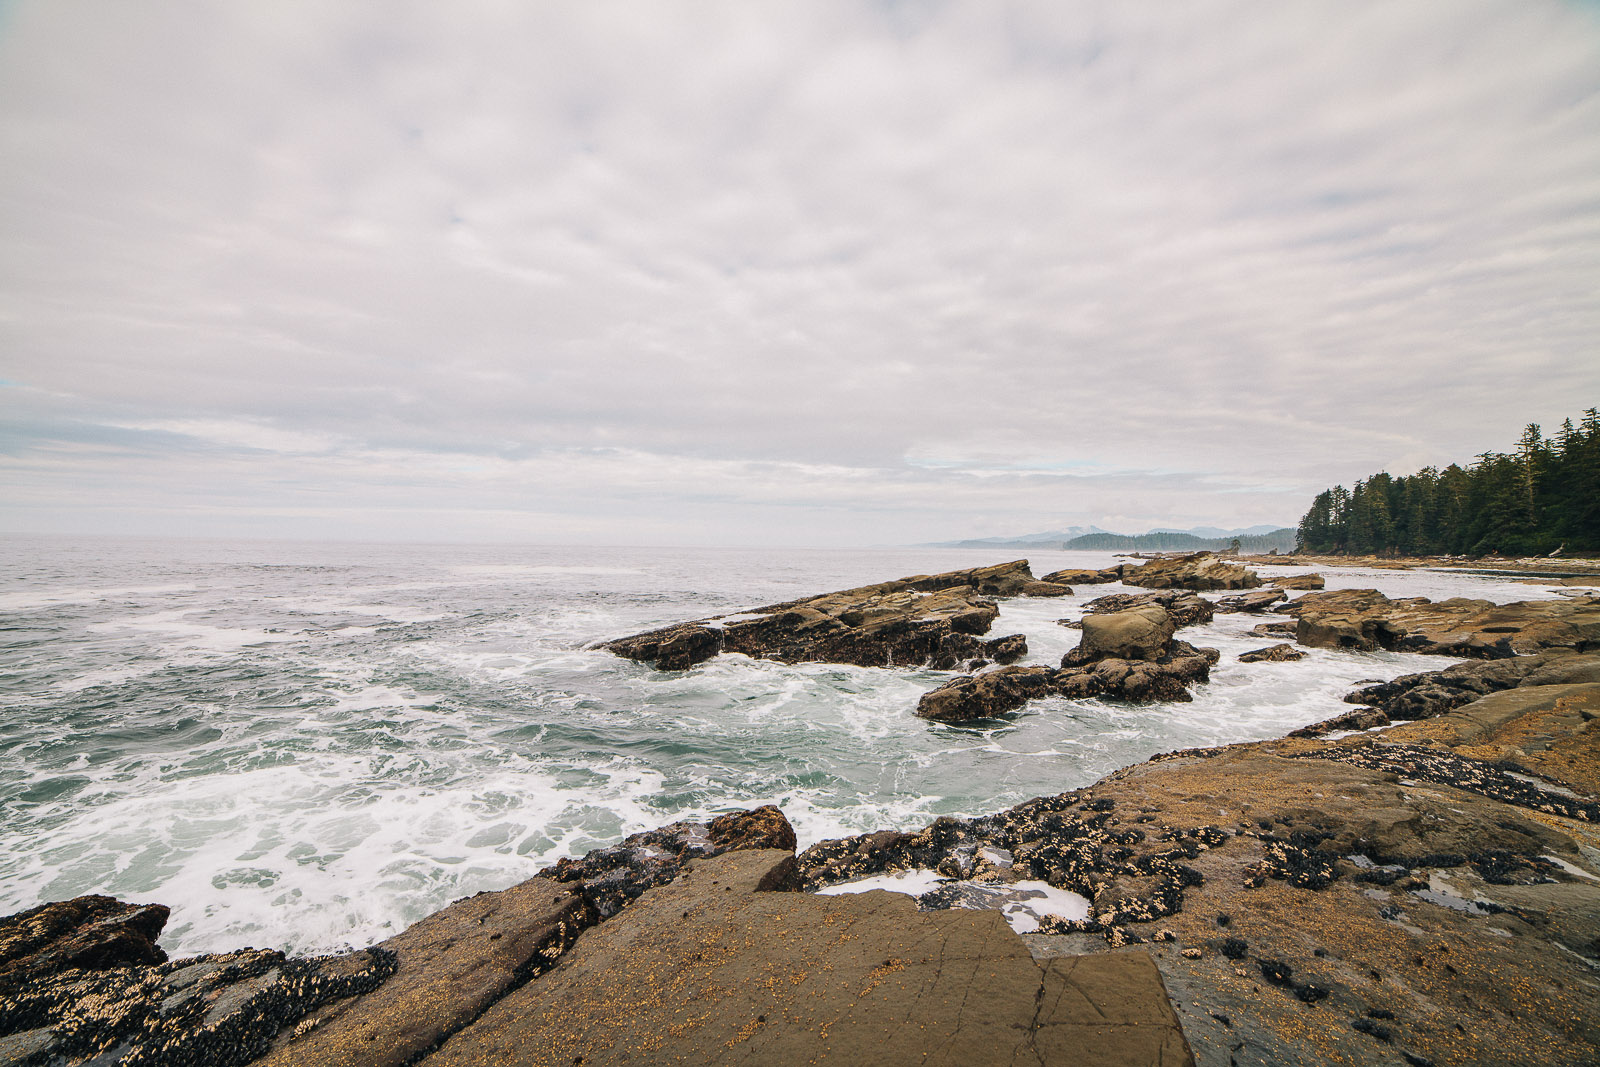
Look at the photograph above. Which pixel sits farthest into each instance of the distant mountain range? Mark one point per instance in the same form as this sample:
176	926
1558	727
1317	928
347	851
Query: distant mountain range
1094	539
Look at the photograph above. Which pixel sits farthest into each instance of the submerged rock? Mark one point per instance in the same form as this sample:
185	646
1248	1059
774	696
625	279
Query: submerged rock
925	620
1274	629
986	695
1200	570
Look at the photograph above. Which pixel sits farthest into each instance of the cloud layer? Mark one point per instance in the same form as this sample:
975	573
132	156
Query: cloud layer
817	271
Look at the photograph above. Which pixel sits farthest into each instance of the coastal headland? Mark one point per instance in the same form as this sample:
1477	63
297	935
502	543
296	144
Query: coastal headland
1416	882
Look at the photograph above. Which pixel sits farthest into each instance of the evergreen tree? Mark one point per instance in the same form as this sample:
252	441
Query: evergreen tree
1543	496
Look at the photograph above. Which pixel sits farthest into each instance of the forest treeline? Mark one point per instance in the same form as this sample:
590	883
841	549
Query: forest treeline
1539	499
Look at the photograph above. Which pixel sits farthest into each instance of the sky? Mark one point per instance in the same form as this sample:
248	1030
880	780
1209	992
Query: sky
820	272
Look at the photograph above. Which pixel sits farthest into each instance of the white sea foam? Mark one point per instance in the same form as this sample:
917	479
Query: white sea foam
179	631
914	883
1025	904
319	750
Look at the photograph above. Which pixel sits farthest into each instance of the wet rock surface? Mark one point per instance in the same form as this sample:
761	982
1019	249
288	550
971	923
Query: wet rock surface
1366	620
925	620
1199	571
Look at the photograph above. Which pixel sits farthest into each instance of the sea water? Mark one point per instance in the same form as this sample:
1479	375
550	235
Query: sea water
309	746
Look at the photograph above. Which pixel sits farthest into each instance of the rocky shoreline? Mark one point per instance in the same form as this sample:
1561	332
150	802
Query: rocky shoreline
1416	882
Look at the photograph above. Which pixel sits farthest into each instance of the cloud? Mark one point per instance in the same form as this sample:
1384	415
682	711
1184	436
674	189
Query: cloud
917	267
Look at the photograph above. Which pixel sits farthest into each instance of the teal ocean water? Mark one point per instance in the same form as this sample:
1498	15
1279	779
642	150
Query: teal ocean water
306	746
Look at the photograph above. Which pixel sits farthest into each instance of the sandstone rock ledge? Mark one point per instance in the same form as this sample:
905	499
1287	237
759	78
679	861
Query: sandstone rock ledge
1366	620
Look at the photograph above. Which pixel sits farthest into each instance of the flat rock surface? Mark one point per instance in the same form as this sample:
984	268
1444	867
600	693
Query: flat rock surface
711	970
1365	620
450	967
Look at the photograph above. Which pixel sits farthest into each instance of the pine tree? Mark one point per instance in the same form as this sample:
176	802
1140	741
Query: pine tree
1543	496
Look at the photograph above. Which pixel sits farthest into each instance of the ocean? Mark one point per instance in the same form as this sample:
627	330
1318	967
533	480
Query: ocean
309	746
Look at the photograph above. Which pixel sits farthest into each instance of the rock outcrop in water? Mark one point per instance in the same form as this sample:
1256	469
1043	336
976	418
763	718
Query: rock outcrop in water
1198	571
1430	693
1186	608
1085	577
1366	620
1127	655
1281	653
1253	601
925	620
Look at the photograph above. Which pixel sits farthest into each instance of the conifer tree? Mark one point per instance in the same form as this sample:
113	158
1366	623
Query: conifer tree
1542	497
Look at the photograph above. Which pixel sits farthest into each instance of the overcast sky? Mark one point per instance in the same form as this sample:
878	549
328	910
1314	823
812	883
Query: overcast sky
779	273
